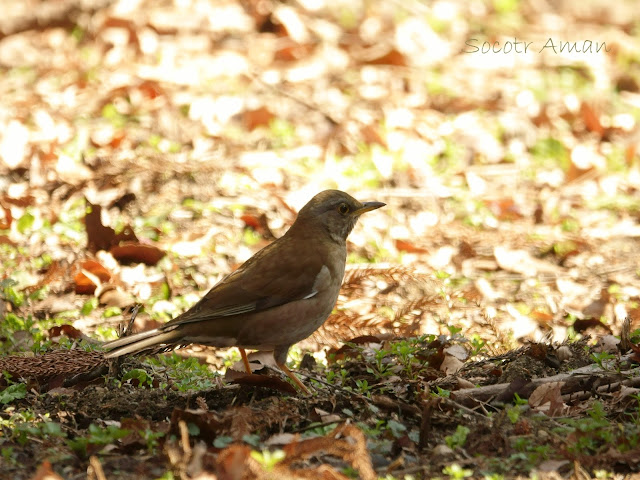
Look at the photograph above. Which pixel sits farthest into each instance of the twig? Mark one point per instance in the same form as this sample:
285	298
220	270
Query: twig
489	391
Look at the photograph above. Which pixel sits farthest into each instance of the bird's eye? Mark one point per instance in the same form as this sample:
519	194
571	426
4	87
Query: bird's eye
343	208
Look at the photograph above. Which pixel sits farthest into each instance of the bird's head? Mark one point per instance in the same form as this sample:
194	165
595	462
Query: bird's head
333	212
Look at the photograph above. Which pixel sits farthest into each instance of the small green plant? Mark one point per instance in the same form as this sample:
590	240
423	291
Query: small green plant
268	459
519	401
513	413
167	476
550	153
493	476
186	373
453	330
89	306
97	437
250	237
251	439
139	377
594	434
363	386
374	431
110	112
397	429
8	456
406	350
337	377
12	324
602	357
317	429
151	438
441	392
112	312
24	426
25	222
13	392
459	437
330	376
222	441
283	133
11	294
456	472
528	454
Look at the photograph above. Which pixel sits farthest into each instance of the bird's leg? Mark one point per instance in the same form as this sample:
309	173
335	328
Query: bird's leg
280	356
295	379
245	360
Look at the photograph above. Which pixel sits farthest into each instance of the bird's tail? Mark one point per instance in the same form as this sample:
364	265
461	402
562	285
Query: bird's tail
139	342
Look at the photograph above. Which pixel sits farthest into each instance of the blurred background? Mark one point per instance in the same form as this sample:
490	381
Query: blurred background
148	148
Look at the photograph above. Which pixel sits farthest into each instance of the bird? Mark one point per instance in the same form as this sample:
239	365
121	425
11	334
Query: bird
278	297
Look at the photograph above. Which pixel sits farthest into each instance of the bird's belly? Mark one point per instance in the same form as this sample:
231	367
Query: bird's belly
286	324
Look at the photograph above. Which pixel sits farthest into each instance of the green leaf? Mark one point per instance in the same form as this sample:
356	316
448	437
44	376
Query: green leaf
89	306
138	374
251	439
397	428
222	441
13	392
25	222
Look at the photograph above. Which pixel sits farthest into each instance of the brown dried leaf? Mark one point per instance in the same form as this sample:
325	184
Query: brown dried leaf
543	318
580	325
591	119
151	89
5	223
258	222
22	202
137	427
346	442
235	462
630	154
58	274
133	252
392	57
407	246
45	472
584	160
260	117
66	330
4	240
504	209
371	134
349	351
210	424
100	237
547	398
265	381
450	365
293	52
84	285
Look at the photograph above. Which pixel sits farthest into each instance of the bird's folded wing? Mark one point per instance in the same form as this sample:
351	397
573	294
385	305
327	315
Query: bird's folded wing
273	277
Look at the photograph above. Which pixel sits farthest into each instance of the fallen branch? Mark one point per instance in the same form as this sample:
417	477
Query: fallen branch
591	379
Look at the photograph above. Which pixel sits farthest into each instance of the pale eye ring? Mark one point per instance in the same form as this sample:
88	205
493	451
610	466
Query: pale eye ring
343	208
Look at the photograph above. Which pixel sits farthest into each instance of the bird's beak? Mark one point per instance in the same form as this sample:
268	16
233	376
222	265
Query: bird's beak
367	207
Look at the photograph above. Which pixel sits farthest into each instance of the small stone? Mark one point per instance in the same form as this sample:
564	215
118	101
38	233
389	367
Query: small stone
564	353
442	450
